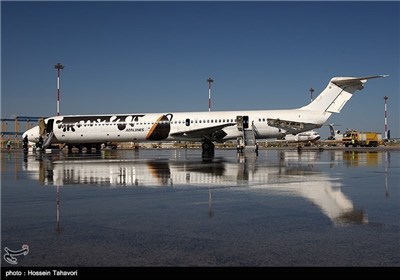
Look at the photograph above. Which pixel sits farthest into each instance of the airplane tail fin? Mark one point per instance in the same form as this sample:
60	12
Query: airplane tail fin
337	93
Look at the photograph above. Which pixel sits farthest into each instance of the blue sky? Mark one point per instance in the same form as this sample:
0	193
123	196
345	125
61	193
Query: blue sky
131	57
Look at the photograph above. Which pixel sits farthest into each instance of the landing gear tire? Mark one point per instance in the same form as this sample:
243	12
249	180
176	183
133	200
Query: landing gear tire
208	149
207	146
88	148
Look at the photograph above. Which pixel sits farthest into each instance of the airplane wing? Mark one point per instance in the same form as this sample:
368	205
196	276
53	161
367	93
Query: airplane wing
214	133
291	126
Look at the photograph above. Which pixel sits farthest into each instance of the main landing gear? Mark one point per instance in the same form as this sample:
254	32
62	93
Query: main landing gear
88	148
208	149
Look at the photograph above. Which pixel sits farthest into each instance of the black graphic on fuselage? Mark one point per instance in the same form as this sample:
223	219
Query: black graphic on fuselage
73	123
160	129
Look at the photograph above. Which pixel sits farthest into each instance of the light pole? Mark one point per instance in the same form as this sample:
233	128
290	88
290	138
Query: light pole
386	131
209	80
311	92
58	66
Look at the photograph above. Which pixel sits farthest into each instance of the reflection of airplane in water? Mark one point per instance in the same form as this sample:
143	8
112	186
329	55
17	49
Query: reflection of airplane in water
293	174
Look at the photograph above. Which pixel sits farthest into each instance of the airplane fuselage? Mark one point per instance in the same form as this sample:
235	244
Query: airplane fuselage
167	126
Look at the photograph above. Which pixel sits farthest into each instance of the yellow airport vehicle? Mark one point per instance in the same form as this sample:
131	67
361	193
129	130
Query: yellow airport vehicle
363	139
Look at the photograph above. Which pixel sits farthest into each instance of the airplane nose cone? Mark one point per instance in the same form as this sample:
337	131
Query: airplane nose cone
33	134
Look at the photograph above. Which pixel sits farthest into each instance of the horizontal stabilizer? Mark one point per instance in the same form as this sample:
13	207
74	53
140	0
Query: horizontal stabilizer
357	82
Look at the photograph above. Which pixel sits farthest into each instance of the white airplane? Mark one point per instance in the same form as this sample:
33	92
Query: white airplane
334	134
307	136
208	127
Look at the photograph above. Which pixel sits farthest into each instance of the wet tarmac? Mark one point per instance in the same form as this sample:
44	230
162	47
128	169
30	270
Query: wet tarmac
172	208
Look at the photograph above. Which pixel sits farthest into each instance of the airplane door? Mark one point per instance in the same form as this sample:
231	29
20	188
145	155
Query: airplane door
49	125
239	122
242	122
245	122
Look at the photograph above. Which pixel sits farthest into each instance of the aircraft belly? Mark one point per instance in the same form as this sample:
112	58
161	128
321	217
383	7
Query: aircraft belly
99	136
